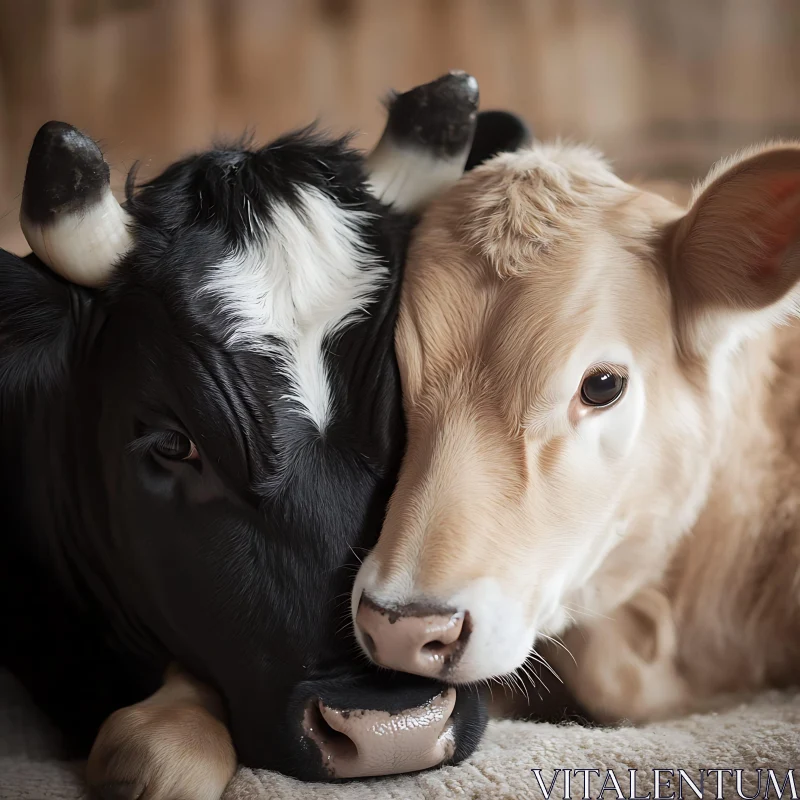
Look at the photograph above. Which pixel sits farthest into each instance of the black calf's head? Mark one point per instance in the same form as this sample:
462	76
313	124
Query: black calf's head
213	381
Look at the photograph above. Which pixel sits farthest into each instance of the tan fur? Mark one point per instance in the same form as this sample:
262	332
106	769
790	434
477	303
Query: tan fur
671	566
173	745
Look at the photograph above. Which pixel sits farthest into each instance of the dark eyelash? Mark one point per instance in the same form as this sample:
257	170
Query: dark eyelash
603	367
147	441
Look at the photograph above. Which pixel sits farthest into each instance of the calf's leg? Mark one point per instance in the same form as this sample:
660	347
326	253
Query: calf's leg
172	746
625	665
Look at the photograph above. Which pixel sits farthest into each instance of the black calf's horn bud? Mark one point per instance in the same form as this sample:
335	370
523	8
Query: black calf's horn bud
426	142
69	216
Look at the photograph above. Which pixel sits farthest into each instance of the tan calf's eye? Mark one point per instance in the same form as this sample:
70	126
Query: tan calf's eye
602	387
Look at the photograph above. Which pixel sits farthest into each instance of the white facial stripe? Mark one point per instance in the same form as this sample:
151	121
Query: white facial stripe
306	279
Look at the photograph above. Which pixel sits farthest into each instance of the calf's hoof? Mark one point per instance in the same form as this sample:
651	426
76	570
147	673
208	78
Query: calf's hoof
157	752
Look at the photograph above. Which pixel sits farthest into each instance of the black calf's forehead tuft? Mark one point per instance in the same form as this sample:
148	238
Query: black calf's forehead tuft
227	241
231	187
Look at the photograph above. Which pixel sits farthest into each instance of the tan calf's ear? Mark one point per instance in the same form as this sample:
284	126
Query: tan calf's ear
736	253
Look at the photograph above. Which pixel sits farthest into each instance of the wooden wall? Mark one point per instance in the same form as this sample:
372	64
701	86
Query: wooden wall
663	86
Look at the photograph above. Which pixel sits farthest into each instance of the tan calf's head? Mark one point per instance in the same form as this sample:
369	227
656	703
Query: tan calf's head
565	343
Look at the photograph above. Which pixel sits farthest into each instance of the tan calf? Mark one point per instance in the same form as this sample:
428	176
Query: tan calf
604	435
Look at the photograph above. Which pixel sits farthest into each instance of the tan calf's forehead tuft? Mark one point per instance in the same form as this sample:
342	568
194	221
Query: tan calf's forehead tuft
515	207
515	264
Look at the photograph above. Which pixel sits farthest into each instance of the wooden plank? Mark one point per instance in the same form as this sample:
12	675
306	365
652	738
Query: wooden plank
663	87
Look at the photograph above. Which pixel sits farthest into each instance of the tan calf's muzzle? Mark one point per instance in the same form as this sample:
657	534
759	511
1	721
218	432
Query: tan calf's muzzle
414	638
363	743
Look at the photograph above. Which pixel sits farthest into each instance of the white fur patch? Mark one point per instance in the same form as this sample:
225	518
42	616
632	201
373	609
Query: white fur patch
83	246
408	178
306	279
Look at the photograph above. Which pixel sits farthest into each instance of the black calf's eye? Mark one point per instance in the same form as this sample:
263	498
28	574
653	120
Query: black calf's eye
175	447
602	388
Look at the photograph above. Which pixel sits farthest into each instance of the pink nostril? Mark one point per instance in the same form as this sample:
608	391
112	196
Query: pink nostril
413	638
336	745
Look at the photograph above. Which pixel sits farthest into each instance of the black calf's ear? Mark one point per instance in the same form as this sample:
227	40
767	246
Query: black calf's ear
39	314
497	132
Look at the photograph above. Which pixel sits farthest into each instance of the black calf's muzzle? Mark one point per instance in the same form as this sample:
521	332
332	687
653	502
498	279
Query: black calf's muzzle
380	724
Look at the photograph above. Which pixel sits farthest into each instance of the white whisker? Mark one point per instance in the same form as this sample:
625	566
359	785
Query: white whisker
557	641
543	661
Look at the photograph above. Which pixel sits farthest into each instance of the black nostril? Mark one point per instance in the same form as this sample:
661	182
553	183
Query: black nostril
450	651
437	646
466	629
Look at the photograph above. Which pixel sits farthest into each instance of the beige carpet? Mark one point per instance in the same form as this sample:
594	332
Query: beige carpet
764	733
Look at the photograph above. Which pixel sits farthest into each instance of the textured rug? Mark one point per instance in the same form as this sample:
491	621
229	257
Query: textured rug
763	734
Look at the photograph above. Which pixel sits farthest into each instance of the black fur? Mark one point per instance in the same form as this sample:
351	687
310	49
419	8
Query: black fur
497	132
115	560
438	117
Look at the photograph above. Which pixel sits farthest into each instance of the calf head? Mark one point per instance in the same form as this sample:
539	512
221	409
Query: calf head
567	346
214	419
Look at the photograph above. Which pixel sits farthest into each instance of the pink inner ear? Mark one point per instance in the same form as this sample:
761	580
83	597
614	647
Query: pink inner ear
783	186
779	224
